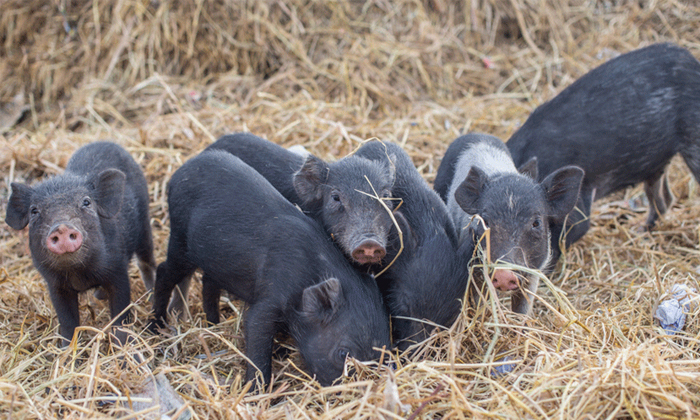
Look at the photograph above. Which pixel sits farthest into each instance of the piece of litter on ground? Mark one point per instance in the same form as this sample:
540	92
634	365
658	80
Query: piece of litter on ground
671	312
161	393
215	354
392	399
500	370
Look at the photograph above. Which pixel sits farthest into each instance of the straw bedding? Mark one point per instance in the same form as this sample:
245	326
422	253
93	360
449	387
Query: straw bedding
164	79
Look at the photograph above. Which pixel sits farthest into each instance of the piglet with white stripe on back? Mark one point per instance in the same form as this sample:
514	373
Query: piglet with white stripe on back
477	177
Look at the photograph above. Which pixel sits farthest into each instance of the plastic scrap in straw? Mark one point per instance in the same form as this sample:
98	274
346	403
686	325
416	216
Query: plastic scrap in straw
671	312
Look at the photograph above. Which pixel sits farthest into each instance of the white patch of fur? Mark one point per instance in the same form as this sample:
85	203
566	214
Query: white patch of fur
491	160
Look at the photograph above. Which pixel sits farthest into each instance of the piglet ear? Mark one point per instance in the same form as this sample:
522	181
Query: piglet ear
391	166
108	191
410	242
468	193
17	215
308	181
321	301
562	188
529	168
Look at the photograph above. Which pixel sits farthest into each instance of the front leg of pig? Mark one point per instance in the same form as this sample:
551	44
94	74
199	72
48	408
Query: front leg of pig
261	321
119	292
211	293
65	302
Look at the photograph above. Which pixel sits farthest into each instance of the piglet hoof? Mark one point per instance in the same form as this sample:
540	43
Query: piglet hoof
641	229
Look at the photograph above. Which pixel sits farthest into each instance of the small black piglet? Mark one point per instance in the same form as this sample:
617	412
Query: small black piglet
337	194
621	123
248	240
513	205
427	283
84	227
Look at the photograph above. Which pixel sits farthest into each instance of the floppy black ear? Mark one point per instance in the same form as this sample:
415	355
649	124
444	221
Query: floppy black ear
321	301
468	193
17	215
529	168
409	236
562	188
108	191
391	166
308	181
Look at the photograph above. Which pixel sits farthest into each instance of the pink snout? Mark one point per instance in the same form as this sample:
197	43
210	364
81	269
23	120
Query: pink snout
505	280
64	239
369	252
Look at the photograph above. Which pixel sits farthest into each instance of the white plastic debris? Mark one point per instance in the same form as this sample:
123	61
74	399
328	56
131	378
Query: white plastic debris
671	312
500	370
161	393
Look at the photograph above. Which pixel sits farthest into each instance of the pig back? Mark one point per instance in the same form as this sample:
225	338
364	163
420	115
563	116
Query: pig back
619	122
275	163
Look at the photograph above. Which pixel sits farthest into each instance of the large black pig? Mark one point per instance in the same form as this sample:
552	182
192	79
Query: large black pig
84	227
248	240
514	206
429	278
621	122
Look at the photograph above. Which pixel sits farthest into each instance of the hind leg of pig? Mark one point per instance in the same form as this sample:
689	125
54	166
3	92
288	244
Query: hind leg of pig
260	330
577	224
178	302
211	293
146	260
65	303
691	152
520	301
659	195
168	275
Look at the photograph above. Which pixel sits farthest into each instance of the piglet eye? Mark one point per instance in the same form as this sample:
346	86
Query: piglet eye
86	202
34	210
342	354
386	194
335	197
536	223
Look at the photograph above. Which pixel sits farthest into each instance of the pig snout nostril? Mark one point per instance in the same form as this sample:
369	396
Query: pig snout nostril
64	239
505	280
369	252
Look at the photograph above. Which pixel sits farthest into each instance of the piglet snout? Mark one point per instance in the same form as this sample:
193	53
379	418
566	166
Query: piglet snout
369	252
64	239
505	280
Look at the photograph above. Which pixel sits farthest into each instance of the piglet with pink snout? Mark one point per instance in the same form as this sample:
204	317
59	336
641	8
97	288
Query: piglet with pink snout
477	177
